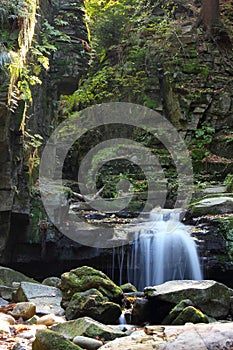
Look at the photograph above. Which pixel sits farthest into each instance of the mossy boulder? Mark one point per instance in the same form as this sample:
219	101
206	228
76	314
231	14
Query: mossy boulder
190	314
128	288
174	313
185	312
50	340
93	304
85	278
8	276
87	327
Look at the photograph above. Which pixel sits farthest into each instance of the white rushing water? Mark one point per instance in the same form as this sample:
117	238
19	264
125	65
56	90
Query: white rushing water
163	251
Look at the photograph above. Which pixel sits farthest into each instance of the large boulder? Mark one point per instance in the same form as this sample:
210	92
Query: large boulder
49	340
213	204
87	327
47	299
84	278
9	276
93	304
9	280
211	297
190	336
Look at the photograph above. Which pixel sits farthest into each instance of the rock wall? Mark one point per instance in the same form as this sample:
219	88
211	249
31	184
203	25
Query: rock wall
67	65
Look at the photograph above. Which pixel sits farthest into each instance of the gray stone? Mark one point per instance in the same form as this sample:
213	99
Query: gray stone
6	292
47	299
8	276
128	288
87	327
221	204
87	343
209	296
52	281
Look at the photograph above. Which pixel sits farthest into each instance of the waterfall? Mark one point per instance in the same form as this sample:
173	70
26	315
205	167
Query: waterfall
163	250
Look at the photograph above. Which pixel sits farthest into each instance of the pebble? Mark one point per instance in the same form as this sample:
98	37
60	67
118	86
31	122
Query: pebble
50	319
87	343
4	327
7	318
25	310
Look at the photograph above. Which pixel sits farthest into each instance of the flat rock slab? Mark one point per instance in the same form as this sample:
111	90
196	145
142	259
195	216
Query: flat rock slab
47	299
213	205
86	326
189	336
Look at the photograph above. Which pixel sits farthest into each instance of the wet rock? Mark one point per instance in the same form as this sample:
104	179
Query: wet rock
93	304
87	327
84	278
49	340
47	299
128	288
49	320
25	310
52	282
141	311
6	292
211	297
87	343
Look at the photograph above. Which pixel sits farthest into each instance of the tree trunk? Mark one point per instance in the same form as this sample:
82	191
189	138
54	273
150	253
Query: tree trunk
210	14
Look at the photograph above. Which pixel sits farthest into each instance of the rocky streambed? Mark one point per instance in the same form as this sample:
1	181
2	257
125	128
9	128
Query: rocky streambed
83	310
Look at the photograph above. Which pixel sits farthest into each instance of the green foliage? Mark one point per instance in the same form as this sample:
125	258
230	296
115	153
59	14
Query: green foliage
32	143
229	182
202	138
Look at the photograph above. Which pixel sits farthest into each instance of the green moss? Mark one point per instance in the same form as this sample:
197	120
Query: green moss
225	229
50	340
190	314
191	67
85	278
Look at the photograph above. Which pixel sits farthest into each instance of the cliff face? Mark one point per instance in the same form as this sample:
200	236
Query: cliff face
68	61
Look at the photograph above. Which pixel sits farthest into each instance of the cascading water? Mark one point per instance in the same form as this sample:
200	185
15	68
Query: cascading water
162	251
